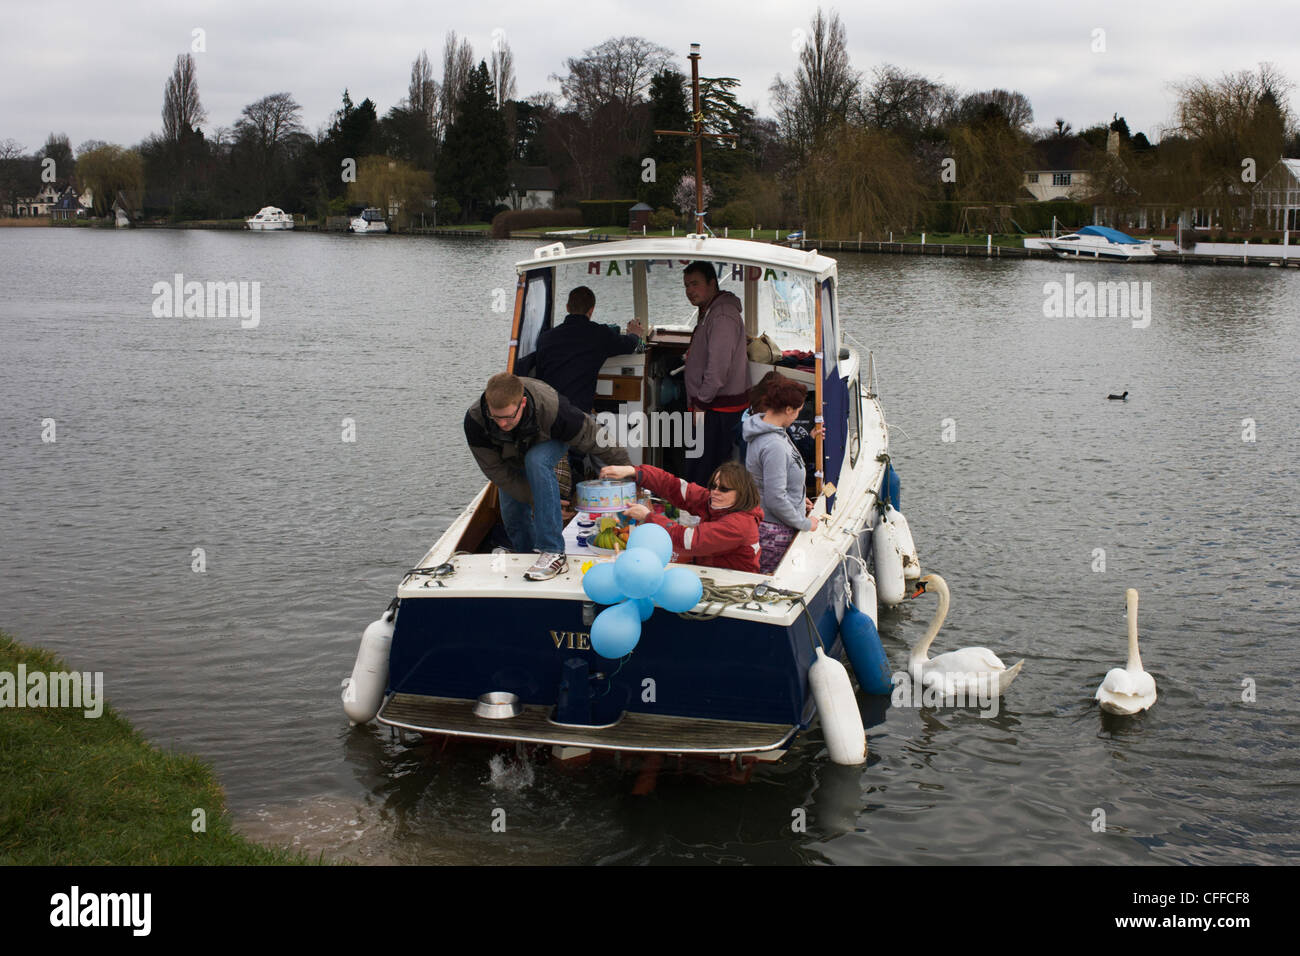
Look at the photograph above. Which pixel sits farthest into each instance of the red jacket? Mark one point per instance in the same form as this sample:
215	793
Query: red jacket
727	539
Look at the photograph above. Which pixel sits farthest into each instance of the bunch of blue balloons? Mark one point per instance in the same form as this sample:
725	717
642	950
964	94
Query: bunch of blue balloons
633	585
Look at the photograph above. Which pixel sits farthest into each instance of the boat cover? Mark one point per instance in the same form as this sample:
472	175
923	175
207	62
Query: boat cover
1112	235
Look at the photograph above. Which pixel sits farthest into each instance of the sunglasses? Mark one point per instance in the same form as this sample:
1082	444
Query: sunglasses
719	486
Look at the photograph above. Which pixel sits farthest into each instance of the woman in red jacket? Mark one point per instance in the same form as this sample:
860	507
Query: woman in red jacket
729	513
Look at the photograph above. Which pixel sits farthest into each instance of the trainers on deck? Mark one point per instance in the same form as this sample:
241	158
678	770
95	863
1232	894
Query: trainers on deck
547	566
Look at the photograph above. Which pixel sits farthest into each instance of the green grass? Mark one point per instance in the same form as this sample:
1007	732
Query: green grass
964	239
89	791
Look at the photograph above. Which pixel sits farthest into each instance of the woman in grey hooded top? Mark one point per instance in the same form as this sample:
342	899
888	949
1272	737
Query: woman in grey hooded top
778	470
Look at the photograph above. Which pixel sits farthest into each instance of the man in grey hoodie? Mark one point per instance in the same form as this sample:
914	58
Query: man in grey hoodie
717	368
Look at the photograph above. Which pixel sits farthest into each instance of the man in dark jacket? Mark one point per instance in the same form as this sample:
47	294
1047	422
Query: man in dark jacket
717	368
569	356
517	431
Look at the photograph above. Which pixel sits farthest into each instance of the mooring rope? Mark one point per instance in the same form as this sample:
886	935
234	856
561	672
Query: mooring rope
754	596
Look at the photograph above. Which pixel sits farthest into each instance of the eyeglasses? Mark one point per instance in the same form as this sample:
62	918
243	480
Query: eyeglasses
718	486
507	418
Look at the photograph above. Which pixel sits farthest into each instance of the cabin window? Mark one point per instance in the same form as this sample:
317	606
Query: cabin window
1060	179
855	421
534	317
1033	177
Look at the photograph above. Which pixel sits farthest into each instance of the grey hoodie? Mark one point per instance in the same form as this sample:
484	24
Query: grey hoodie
778	470
717	368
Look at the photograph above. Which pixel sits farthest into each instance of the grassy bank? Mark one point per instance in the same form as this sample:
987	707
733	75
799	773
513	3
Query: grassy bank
89	791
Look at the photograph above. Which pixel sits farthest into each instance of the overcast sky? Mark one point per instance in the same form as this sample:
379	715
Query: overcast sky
95	69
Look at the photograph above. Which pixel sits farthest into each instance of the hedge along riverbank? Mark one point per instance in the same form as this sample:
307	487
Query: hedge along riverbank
79	790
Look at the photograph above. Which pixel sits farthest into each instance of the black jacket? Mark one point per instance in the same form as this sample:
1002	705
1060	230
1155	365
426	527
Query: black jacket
569	356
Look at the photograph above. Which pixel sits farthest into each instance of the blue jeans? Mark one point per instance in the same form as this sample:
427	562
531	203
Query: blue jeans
538	526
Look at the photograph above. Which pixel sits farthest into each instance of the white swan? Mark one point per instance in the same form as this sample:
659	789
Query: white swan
1128	690
967	671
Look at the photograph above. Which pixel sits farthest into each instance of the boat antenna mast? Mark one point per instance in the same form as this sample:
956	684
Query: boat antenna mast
697	133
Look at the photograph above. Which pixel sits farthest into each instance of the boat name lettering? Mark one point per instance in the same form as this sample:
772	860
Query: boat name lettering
574	640
620	267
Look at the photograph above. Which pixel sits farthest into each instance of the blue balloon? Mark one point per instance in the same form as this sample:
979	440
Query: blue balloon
616	630
654	538
638	572
681	590
600	586
646	606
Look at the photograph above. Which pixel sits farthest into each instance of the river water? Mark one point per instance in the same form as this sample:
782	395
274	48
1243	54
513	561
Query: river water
1036	498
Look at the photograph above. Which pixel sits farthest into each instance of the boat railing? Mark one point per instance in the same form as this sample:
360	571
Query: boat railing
870	379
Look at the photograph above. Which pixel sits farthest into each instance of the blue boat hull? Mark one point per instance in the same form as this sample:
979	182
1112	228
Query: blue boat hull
721	669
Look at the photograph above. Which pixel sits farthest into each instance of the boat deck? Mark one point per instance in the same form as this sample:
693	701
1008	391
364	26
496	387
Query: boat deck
637	732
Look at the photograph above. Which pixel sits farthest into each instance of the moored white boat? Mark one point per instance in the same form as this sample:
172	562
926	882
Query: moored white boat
270	219
1101	242
370	222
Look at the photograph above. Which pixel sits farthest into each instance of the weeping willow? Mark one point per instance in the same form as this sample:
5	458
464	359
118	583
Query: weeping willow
860	180
384	182
989	160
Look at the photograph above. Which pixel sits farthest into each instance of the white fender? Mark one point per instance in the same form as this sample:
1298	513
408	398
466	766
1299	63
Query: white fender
363	692
864	592
911	562
838	709
889	564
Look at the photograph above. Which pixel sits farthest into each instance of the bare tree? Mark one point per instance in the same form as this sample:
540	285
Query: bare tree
820	95
268	123
1241	116
616	71
181	110
503	72
457	63
1236	113
12	178
903	101
267	128
1012	105
423	91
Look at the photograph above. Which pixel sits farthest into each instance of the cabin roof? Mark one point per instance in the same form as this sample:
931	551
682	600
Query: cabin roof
687	248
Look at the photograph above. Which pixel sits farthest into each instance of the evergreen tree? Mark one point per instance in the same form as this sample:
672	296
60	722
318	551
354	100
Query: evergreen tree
472	167
354	133
674	155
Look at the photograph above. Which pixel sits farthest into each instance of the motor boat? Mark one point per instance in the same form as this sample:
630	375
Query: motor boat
1100	242
270	219
370	222
470	649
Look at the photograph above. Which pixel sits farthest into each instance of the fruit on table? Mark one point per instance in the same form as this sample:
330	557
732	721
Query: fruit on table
609	540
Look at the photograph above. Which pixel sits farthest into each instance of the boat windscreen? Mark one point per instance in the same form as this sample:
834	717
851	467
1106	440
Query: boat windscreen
785	300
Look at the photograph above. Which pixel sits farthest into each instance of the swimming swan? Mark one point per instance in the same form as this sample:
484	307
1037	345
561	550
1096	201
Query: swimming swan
962	671
1128	690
